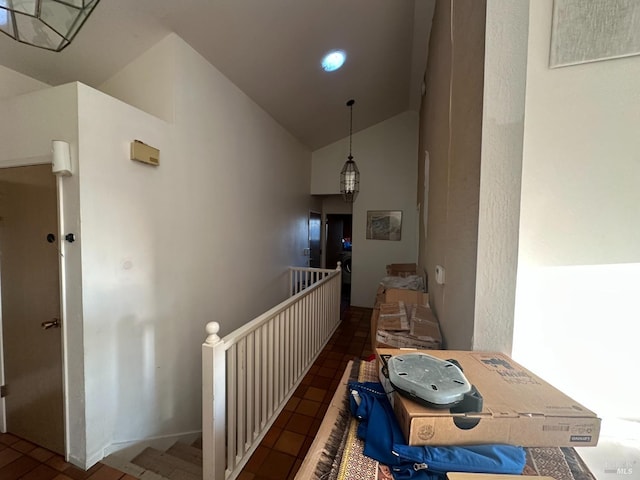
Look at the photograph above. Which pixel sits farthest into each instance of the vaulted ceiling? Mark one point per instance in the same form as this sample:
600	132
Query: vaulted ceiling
271	49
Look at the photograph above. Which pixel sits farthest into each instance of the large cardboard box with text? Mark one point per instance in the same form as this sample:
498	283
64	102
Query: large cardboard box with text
519	408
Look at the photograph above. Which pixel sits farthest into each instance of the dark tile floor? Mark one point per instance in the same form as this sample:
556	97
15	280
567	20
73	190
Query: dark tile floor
285	445
20	459
280	454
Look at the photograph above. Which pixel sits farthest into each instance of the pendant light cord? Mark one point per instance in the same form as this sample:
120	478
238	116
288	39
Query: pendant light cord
350	105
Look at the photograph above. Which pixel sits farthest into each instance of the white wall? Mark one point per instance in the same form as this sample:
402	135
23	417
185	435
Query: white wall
13	83
386	155
125	327
205	236
149	82
336	204
257	190
579	260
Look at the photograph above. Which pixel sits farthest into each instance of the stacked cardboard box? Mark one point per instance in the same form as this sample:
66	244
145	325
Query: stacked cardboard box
412	297
415	327
401	269
393	317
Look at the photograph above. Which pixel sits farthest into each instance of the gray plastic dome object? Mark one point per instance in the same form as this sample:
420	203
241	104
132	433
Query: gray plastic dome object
439	383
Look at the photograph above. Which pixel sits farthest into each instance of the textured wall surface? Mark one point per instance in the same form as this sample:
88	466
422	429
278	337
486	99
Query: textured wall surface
499	211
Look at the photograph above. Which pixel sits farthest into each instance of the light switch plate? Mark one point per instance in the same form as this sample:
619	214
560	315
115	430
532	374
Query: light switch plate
439	274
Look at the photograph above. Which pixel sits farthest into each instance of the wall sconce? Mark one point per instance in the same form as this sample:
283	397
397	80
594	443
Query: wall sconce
61	162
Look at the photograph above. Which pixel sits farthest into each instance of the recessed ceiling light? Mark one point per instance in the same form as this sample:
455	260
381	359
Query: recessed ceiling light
333	60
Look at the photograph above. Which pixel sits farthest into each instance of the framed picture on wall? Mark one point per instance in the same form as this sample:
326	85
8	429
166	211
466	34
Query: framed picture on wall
584	32
384	224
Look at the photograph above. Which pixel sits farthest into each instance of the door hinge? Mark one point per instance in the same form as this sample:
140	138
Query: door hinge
3	391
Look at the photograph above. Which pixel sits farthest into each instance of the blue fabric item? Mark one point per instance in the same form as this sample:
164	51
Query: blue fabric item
378	426
506	459
385	443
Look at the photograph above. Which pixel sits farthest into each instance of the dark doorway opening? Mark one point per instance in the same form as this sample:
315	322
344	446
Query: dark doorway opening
339	245
315	228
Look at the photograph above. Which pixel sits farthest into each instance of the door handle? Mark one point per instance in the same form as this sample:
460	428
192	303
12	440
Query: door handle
55	323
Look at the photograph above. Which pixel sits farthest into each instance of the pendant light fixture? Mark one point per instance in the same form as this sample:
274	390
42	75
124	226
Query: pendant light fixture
48	24
350	176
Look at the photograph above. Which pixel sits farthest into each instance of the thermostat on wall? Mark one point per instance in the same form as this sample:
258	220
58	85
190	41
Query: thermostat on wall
144	153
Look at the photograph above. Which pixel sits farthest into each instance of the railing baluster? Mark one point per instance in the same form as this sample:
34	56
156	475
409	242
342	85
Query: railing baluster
276	360
291	282
291	345
308	315
296	328
317	320
241	412
305	328
287	349
264	381
269	364
251	372
231	406
307	336
257	381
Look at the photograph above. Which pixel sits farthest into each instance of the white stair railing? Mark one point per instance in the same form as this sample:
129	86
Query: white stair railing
249	375
303	277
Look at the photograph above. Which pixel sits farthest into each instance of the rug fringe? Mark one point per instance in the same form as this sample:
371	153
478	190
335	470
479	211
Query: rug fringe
332	452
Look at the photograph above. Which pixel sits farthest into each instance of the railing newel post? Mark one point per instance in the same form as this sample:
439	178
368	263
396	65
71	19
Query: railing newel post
213	404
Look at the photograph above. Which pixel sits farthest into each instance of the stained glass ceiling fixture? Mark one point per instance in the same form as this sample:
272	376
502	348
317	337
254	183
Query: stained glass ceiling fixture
48	24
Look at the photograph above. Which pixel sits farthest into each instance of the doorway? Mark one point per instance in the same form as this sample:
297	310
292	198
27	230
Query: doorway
30	306
339	244
315	230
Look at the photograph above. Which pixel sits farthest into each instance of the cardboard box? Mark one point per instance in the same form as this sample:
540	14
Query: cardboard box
401	269
389	295
424	324
393	317
381	338
519	408
391	340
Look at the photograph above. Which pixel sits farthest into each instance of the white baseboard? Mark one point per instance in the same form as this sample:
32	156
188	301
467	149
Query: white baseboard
90	462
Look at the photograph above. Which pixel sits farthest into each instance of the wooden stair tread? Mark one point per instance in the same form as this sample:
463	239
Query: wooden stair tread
167	465
187	453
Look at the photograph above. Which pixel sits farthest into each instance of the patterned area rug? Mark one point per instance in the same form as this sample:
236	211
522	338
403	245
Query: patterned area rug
343	458
559	463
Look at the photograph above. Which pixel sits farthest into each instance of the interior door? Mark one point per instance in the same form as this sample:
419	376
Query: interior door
315	228
30	296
